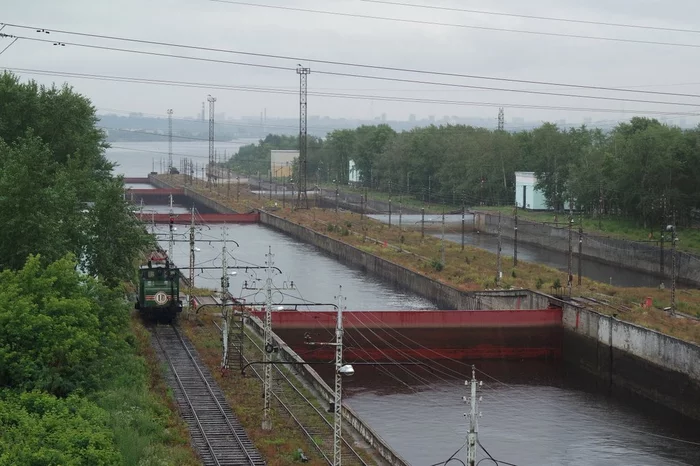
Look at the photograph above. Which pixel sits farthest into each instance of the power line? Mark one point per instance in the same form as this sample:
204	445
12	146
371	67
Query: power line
455	25
351	64
8	46
337	95
543	18
352	75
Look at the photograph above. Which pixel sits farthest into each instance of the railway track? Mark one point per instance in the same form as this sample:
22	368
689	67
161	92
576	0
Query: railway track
216	434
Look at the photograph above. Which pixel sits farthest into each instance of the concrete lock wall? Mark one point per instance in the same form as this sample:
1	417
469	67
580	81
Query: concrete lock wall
311	376
634	255
628	358
444	296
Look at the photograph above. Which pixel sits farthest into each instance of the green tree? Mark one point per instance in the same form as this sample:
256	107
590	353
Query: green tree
39	207
52	172
58	328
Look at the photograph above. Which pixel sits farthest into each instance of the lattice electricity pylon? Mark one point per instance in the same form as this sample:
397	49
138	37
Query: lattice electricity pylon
302	199
501	119
211	101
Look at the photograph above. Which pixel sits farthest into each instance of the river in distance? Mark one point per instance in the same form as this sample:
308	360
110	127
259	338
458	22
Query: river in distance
533	412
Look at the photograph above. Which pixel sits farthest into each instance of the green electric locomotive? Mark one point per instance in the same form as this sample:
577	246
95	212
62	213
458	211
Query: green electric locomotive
159	289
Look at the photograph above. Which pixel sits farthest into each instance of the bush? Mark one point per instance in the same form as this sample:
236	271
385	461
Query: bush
39	428
539	283
348	224
330	227
437	265
556	284
58	328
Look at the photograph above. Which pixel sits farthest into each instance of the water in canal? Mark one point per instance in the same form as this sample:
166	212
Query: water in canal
595	270
534	413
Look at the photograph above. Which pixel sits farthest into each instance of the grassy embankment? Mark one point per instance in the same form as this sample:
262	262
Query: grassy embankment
608	225
612	226
475	269
279	446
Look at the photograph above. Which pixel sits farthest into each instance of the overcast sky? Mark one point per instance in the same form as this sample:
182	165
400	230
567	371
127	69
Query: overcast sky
366	41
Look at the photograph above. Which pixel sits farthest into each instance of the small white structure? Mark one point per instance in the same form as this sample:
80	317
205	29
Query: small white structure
526	196
353	173
281	162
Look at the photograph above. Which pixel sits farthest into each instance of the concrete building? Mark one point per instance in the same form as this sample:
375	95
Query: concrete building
281	162
526	196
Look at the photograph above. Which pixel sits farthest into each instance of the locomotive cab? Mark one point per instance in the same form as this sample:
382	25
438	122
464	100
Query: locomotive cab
159	290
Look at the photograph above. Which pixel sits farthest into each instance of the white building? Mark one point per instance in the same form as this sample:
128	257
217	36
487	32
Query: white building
526	196
353	173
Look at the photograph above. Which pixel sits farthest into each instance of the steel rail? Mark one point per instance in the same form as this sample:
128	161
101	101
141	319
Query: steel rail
187	398
243	448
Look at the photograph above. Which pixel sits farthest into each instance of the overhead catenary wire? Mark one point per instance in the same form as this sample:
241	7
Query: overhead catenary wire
8	46
461	26
543	18
352	75
354	64
337	95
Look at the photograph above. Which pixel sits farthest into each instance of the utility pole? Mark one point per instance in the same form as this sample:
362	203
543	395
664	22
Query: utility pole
663	223
337	196
463	209
674	239
192	250
170	141
428	189
302	200
226	314
473	419
269	347
580	247
569	278
422	222
515	237
211	101
390	212
442	239
238	187
499	273
171	241
337	402
501	119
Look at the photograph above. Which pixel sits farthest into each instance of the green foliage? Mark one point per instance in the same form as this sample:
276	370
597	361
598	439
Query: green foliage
638	170
437	265
556	284
539	283
40	429
58	328
57	195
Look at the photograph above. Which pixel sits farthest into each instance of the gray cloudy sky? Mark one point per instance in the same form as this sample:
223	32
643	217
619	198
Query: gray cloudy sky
368	41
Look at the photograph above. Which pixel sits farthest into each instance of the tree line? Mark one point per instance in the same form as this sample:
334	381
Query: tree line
73	388
641	169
